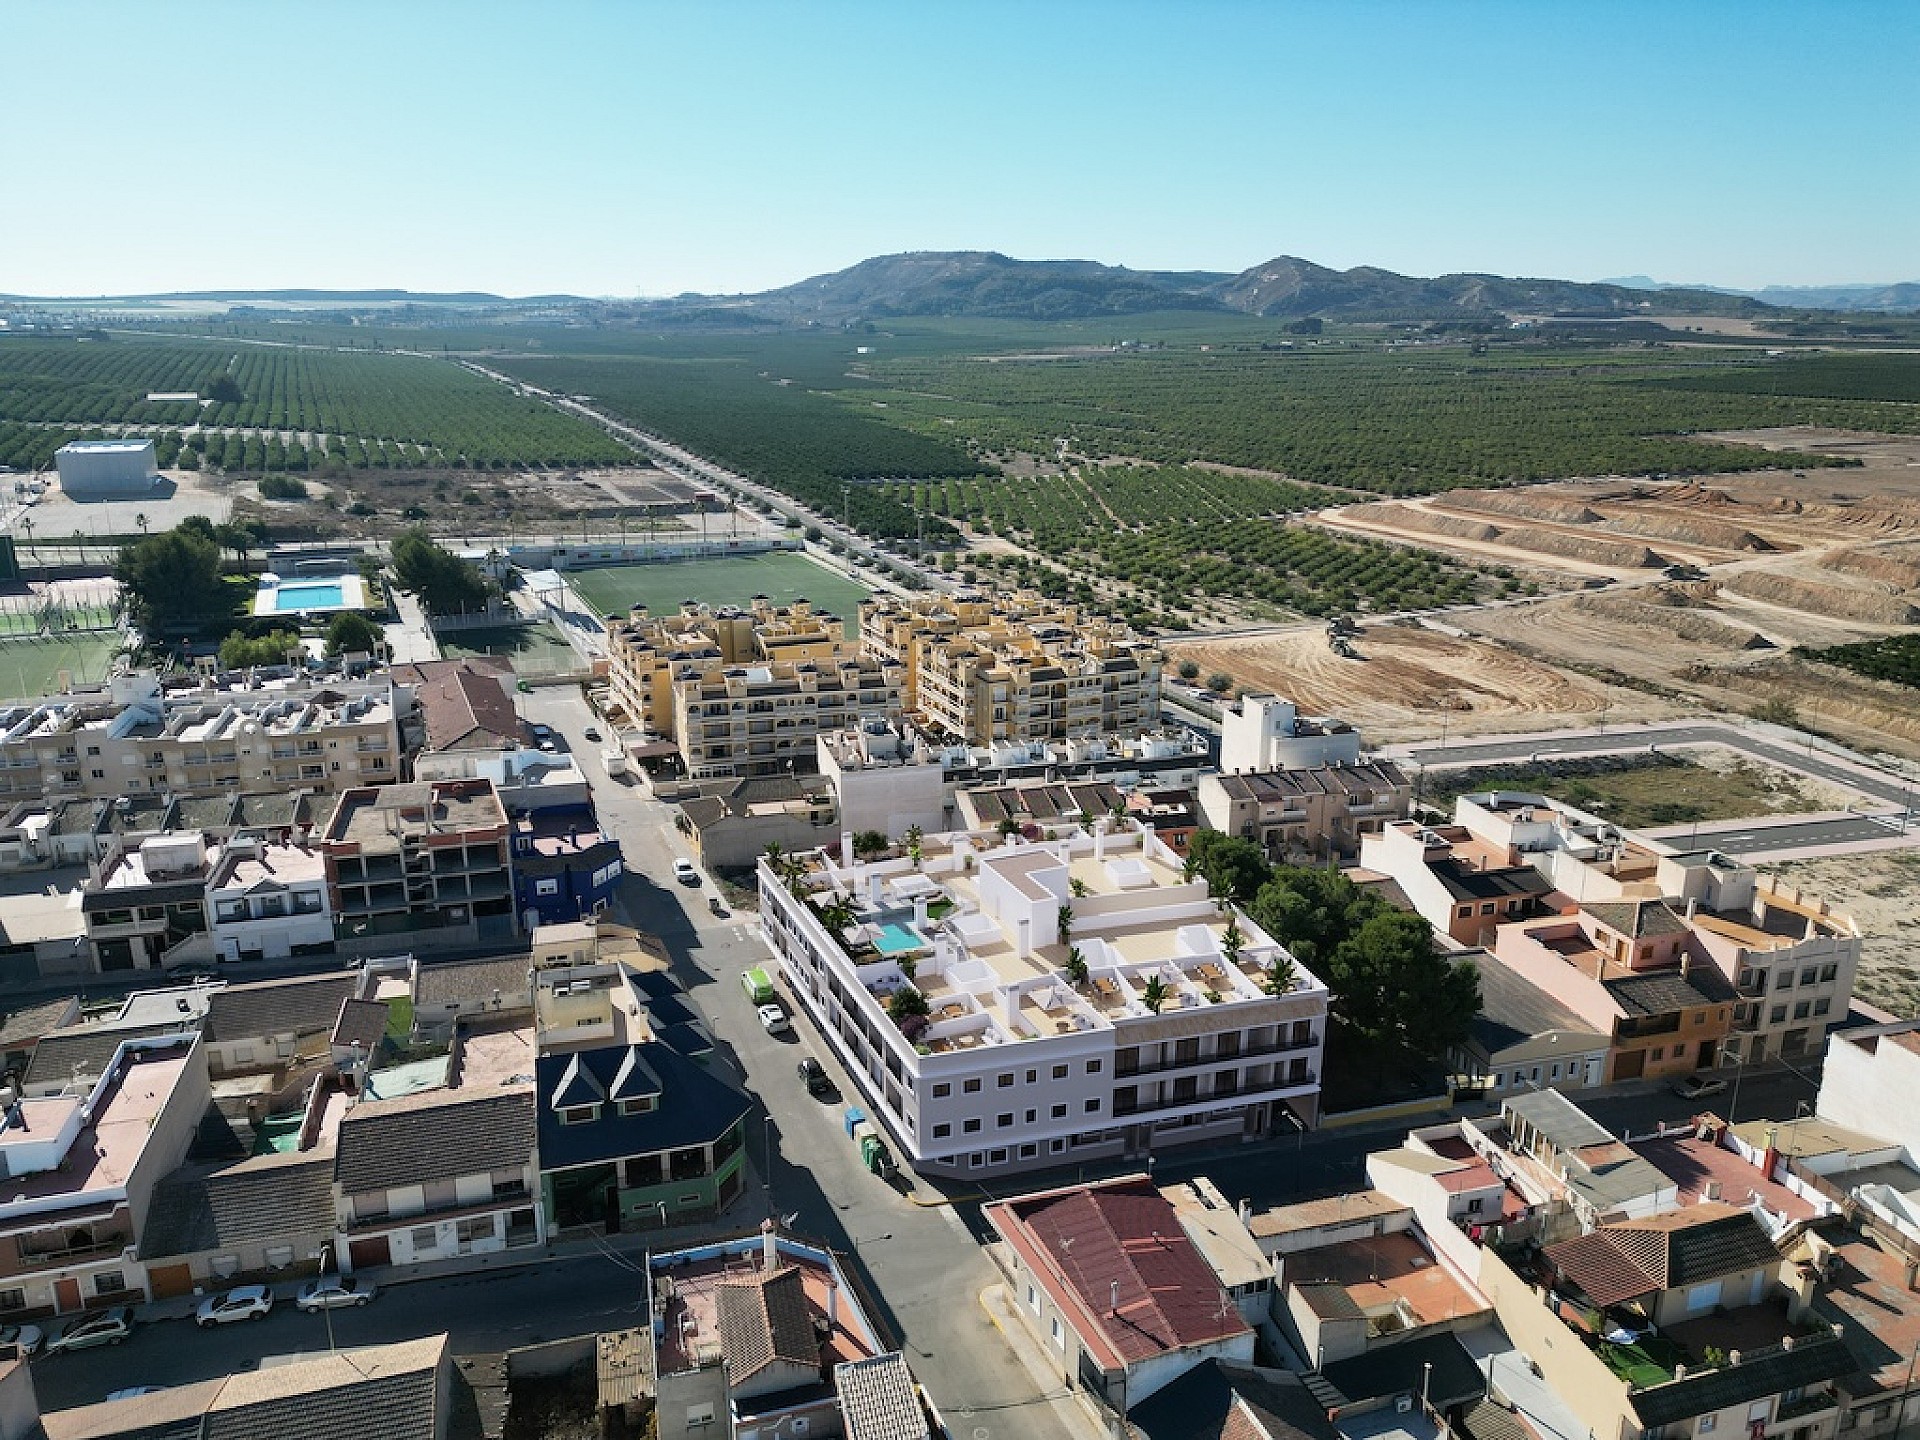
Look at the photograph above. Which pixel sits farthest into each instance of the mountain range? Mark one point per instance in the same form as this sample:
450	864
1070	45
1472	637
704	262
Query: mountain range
1902	297
987	284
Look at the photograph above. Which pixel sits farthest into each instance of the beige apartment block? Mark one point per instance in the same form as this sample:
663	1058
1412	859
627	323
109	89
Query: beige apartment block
1014	667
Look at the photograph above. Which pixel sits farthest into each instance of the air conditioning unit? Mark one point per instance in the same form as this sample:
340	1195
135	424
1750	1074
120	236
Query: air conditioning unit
1404	1404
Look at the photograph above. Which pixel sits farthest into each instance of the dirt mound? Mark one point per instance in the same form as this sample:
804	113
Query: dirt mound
1681	593
1869	565
1840	601
1692	492
1666	624
1522	505
1426	522
1594	549
1688	530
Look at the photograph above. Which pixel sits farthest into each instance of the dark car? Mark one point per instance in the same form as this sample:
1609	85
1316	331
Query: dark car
814	1075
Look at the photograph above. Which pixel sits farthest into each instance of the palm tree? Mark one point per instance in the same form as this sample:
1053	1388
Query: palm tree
1076	966
1063	923
1232	942
838	916
142	521
913	838
1155	994
1282	975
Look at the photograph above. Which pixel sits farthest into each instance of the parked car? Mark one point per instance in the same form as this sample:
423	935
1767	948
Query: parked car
24	1338
774	1019
686	872
1698	1087
592	732
333	1292
101	1327
248	1302
814	1076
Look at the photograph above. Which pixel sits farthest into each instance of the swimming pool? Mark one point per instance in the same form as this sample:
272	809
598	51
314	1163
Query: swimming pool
329	595
894	938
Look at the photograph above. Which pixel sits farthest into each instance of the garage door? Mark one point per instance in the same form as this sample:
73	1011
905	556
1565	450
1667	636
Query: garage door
372	1251
170	1281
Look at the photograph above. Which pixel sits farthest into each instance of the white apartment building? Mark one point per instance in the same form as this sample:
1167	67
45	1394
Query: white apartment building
135	739
1259	733
1171	1037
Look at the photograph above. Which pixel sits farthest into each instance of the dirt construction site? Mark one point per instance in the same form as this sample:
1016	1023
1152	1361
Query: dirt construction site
1661	598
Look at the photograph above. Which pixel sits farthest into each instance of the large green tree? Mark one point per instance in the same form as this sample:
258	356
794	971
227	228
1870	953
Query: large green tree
172	581
1392	986
445	583
1234	868
350	632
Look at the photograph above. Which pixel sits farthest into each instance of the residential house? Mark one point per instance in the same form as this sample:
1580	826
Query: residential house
1224	1400
1261	734
445	994
1461	885
146	906
751	1336
1862	1280
732	820
211	1226
270	1024
1173	1034
1038	802
565	867
429	861
1308	813
22	1029
267	901
1597	1175
1523	1038
402	1391
461	706
1219	1232
881	1400
1118	1300
77	1055
1626	968
632	1133
437	1174
81	1168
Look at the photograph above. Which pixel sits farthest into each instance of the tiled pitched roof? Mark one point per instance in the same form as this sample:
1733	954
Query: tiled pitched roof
83	1052
1637	919
360	1022
475	982
1812	1360
764	1319
463	704
433	1135
303	1005
32	1021
1225	1400
1631	1258
1095	1243
1663	992
263	1199
879	1400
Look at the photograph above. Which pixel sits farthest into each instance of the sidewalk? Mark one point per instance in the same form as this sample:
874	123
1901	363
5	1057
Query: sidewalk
1069	1406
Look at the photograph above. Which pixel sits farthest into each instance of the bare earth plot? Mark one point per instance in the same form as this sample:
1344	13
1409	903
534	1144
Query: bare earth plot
1877	890
1787	559
1415	684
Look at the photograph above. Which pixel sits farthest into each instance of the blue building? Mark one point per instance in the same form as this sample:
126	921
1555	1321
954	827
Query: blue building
565	867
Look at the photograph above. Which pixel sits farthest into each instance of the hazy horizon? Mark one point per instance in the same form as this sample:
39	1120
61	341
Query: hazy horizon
651	150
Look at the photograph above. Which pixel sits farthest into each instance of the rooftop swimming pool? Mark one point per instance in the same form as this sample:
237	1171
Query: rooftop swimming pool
893	938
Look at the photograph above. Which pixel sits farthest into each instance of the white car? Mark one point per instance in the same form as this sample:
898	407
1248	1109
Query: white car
25	1338
774	1020
333	1292
248	1302
686	872
102	1327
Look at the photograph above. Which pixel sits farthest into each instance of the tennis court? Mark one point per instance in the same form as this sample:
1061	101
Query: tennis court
30	666
530	649
782	576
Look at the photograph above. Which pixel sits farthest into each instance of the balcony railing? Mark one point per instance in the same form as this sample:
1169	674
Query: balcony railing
1252	1052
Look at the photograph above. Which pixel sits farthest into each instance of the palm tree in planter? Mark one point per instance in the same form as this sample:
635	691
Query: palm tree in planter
1232	941
1063	924
1155	995
913	838
1076	967
838	916
1078	888
1282	975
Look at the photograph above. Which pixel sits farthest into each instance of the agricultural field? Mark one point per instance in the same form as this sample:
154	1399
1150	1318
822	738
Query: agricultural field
1893	657
31	666
1393	422
762	426
735	580
277	408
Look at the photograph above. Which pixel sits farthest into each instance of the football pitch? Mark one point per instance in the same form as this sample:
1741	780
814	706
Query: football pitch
30	666
782	576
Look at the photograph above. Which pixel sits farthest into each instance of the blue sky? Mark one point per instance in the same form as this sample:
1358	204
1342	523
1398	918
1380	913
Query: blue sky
635	148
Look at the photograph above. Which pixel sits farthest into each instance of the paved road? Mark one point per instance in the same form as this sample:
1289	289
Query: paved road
924	1264
1747	838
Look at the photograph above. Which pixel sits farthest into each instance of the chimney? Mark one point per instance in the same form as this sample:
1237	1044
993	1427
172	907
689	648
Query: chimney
1113	1298
1245	1211
833	1306
769	1247
1913	1272
1693	908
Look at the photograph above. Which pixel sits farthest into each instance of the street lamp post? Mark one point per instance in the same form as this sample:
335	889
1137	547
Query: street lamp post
324	1254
